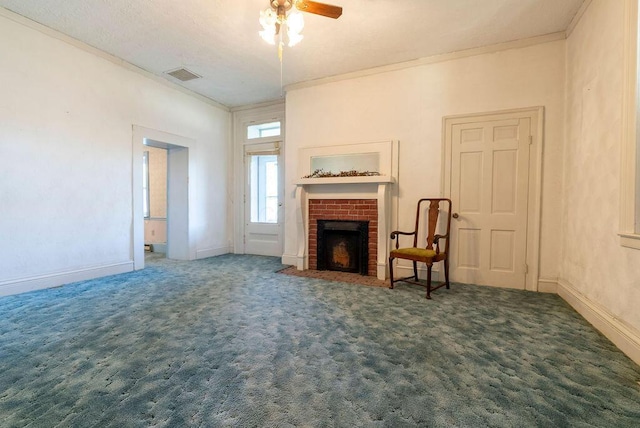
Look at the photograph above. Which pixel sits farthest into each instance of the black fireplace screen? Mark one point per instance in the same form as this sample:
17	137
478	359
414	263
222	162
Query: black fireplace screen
343	246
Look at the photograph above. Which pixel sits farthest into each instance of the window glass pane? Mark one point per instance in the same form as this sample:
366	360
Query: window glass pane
264	189
262	130
145	184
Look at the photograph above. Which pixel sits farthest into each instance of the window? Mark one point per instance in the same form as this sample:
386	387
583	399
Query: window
630	149
271	129
145	184
264	188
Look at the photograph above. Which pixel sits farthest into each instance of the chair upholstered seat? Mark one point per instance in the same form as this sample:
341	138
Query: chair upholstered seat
411	252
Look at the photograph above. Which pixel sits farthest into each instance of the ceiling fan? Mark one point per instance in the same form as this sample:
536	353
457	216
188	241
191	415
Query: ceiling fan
317	8
276	15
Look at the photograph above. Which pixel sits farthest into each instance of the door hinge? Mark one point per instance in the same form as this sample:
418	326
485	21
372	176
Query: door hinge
530	139
526	268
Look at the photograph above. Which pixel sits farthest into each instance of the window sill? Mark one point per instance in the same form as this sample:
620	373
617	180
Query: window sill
630	240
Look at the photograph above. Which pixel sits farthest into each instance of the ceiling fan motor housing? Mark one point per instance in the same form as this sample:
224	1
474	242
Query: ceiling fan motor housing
284	4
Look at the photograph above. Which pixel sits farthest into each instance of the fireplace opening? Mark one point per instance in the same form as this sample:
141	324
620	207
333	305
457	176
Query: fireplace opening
343	246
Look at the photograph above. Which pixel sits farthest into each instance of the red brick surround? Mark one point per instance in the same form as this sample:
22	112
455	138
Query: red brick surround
344	209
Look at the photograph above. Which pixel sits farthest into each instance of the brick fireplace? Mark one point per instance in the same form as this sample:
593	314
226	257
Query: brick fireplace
344	198
344	209
361	192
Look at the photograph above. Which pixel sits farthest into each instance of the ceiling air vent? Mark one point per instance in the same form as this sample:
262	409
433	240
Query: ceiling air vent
183	74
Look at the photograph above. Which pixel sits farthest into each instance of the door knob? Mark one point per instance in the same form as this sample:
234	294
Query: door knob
455	215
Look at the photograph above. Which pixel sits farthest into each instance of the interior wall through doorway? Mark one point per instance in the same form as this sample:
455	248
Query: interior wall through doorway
155	222
180	160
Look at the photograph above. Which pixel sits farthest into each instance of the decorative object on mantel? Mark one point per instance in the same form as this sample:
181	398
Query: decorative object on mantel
319	173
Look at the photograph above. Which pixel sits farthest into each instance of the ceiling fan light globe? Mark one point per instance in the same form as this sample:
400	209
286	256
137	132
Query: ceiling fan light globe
268	36
295	22
268	19
294	38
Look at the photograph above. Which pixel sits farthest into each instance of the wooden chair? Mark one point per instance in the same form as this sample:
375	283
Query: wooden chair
428	254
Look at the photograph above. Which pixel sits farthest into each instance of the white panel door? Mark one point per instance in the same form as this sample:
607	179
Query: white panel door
263	196
489	175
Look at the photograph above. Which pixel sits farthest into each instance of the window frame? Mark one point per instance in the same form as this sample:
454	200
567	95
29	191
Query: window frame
258	125
146	186
629	231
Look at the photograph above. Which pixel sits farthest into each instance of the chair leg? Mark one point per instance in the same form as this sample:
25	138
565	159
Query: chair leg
391	273
446	272
415	270
429	265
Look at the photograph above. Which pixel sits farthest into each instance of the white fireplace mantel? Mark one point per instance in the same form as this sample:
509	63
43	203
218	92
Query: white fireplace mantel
369	179
354	187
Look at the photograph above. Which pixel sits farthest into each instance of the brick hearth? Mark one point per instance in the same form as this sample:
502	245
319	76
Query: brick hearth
344	209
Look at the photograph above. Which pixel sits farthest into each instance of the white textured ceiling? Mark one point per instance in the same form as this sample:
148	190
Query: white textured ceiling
218	39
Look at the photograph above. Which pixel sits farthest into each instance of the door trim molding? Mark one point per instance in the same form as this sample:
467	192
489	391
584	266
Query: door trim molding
534	206
185	249
240	119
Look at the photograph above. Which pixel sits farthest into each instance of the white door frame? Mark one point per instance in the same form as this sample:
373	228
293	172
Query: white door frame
263	229
241	119
180	166
535	178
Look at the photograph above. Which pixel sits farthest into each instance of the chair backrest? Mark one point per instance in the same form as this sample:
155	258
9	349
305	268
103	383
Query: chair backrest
433	213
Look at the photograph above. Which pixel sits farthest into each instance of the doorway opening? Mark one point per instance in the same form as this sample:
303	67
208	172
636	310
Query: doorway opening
154	200
259	180
176	179
263	199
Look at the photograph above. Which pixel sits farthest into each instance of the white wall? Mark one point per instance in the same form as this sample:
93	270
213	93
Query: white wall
155	228
66	159
409	104
155	231
157	182
596	272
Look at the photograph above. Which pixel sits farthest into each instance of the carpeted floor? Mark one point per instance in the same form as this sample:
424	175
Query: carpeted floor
227	341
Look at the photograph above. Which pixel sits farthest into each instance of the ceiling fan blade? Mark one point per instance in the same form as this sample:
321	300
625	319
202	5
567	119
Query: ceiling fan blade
317	8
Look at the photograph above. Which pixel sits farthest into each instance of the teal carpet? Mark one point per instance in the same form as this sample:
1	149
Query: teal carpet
227	341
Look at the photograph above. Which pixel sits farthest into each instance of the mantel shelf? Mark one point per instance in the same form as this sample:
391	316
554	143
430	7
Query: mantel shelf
365	179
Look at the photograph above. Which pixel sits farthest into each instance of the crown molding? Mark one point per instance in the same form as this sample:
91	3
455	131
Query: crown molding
276	104
577	17
12	16
515	44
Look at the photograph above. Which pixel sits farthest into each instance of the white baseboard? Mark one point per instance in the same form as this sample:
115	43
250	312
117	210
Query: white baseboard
404	271
546	285
290	259
159	247
212	252
626	338
294	260
24	285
